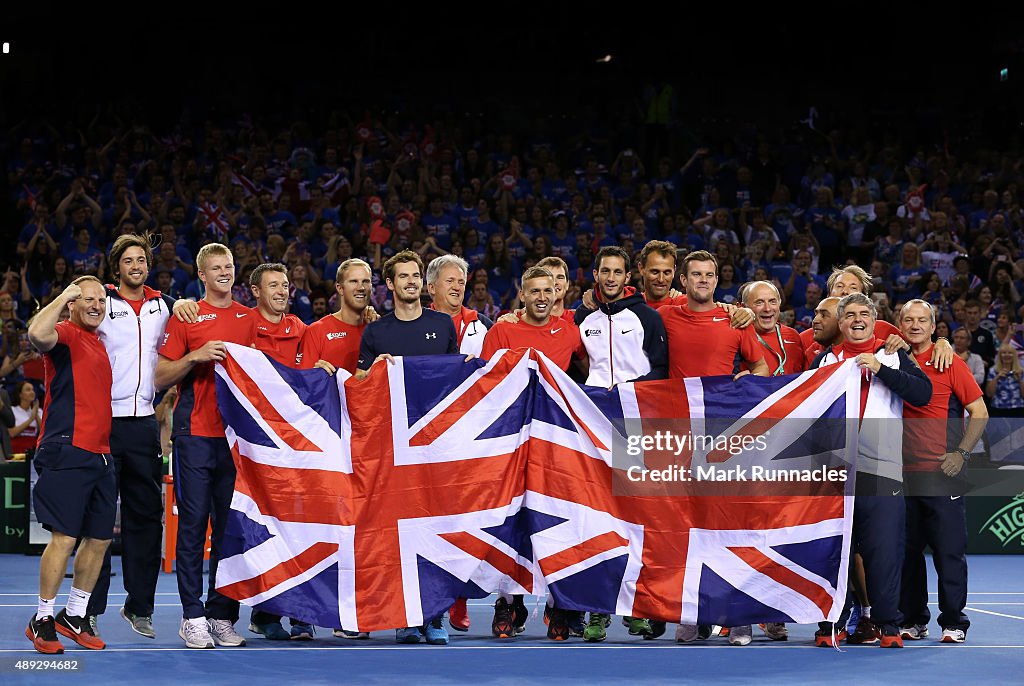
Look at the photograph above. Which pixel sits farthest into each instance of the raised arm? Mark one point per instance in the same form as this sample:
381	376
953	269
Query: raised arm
43	329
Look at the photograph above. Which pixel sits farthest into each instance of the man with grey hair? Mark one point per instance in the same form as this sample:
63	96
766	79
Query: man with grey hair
446	283
852	279
888	380
784	354
937	445
783	350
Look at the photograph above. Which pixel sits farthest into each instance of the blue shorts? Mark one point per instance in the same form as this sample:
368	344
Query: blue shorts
76	493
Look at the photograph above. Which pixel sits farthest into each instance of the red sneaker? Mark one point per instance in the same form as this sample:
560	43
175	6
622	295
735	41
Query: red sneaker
458	615
824	639
78	630
43	636
890	638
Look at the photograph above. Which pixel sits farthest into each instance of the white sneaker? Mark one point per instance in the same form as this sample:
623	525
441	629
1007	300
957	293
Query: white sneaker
914	632
740	635
196	633
223	632
954	635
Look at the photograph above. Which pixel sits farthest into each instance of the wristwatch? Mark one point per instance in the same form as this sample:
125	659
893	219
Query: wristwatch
966	454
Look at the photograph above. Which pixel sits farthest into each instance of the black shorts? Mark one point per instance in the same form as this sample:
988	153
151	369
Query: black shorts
76	493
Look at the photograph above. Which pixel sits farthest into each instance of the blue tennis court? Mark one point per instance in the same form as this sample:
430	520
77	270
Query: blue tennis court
994	650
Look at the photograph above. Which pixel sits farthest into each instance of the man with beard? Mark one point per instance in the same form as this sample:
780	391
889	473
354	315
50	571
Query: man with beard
332	343
624	338
131	333
409	330
657	266
625	341
700	339
702	343
825	328
853	279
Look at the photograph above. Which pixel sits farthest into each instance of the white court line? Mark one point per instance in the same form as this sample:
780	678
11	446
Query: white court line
35	605
997	614
580	646
480	601
22	595
998	603
985	593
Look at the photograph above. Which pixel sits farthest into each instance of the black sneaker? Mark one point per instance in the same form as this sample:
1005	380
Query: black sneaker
577	622
865	634
43	634
502	626
558	625
519	614
657	630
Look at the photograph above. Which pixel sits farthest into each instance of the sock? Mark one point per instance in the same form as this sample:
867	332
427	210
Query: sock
865	611
45	607
78	601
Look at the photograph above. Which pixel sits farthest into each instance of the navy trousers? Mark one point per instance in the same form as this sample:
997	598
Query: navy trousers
939	522
204	480
135	447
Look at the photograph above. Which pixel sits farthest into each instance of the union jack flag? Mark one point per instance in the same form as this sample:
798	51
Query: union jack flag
249	188
375	504
215	220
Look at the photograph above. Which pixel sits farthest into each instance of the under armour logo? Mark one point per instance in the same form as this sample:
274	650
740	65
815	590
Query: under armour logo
431	335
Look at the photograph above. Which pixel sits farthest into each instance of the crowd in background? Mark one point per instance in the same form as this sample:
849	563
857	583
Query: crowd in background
935	223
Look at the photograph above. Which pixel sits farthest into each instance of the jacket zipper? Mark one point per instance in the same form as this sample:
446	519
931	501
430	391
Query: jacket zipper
611	354
138	384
